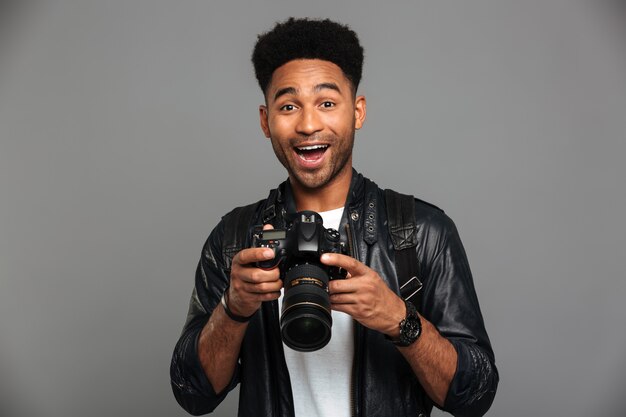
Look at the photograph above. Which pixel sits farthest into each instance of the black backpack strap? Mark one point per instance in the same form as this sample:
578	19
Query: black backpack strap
236	229
402	229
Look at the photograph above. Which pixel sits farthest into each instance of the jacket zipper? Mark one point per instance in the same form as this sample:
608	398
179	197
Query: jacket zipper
273	357
353	253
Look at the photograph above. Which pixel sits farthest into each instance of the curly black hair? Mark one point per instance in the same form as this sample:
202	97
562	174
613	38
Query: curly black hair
308	39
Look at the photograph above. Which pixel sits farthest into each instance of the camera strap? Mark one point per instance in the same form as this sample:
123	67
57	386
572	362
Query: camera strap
402	230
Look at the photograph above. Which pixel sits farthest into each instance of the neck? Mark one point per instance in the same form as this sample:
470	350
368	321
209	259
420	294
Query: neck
328	197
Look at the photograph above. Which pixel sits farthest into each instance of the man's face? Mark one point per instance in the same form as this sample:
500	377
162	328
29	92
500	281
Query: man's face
310	118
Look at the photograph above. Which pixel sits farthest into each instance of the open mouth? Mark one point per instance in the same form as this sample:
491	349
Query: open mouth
311	153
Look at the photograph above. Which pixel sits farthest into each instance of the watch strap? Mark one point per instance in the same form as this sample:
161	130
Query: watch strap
229	313
410	327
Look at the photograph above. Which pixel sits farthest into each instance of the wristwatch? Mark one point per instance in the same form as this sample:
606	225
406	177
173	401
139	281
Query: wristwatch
410	327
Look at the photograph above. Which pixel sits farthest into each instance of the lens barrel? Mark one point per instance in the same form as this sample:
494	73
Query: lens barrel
306	321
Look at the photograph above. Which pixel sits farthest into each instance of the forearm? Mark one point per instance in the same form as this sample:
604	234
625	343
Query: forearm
474	385
218	348
220	340
432	357
433	360
366	297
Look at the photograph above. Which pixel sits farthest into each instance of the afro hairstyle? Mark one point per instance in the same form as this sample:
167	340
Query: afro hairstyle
308	39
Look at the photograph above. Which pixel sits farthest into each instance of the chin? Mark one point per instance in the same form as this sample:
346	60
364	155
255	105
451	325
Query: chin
313	181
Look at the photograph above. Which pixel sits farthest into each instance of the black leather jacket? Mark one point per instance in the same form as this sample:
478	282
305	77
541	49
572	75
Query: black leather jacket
383	383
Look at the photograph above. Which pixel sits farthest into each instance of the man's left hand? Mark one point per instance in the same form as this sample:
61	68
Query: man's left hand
365	296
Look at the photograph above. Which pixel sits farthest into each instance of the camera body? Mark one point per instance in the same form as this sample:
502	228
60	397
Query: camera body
306	319
303	241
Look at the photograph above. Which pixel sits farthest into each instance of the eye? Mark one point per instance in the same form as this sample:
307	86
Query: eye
287	107
328	104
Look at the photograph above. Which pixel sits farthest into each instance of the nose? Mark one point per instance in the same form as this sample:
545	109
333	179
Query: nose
309	122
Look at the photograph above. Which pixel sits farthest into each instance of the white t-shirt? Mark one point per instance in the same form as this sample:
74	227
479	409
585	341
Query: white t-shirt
320	380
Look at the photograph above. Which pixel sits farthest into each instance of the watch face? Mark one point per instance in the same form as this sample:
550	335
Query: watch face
411	328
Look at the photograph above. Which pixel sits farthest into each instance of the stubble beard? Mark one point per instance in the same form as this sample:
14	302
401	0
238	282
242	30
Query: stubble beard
341	154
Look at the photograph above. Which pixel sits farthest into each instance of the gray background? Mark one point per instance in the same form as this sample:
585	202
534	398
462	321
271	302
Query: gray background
127	128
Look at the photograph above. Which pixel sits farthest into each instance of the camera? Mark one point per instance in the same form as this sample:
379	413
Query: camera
305	322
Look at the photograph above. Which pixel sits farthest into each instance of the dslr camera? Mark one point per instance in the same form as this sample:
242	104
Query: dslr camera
305	322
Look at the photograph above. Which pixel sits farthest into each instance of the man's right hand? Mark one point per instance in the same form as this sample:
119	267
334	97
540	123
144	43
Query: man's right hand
249	285
221	338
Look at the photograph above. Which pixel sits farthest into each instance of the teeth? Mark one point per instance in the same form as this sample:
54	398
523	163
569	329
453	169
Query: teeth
312	147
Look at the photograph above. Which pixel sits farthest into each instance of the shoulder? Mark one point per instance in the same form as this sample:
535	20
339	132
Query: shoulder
236	223
257	211
396	202
434	227
429	214
431	222
230	234
239	212
233	218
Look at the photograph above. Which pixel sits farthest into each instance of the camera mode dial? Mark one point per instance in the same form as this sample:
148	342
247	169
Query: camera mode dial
332	235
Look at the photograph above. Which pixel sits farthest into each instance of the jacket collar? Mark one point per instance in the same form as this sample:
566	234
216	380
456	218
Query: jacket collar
284	194
361	205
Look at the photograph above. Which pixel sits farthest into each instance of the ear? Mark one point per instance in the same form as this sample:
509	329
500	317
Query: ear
360	110
263	114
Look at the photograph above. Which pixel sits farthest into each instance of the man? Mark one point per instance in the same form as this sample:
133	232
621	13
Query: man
374	365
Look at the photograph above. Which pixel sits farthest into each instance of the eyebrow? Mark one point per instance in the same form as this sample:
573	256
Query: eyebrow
330	86
317	88
283	91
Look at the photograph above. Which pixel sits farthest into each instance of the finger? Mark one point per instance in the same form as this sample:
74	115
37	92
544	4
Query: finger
256	275
344	308
342	298
262	287
268	227
337	286
348	263
252	255
271	296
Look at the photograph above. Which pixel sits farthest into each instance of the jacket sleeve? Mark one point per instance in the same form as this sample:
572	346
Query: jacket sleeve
451	304
192	389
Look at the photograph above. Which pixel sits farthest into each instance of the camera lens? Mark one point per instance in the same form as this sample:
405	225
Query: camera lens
306	321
